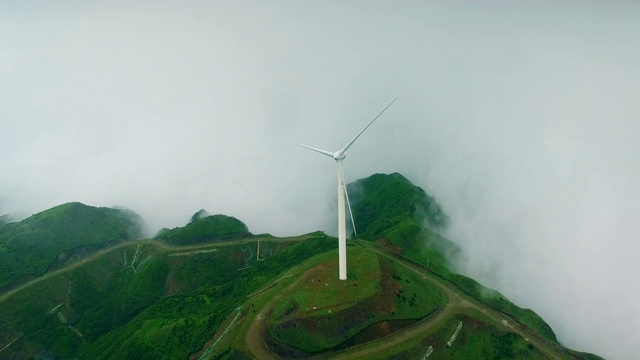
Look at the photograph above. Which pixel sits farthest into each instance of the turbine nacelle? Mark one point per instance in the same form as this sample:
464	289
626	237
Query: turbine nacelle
338	157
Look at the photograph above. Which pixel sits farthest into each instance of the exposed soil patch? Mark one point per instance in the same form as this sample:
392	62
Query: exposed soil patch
389	247
284	349
376	331
172	285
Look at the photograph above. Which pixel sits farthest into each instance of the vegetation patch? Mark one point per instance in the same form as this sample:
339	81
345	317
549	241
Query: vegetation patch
486	340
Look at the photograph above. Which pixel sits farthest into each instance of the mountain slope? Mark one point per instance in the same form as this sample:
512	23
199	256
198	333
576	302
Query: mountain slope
58	235
406	220
223	293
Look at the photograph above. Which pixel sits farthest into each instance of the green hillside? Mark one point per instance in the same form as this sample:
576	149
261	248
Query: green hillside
205	228
59	235
406	220
212	290
144	299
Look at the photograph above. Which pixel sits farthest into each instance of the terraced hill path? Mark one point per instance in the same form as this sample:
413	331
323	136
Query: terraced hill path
162	245
457	301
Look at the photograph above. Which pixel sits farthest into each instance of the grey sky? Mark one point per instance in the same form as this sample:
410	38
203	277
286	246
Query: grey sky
520	117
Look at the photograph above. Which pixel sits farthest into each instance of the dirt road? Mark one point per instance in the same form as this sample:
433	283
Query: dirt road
159	244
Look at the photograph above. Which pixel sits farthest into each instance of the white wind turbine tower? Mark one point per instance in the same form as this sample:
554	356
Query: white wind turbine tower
338	156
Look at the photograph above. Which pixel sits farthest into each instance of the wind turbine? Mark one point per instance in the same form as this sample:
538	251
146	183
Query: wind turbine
338	156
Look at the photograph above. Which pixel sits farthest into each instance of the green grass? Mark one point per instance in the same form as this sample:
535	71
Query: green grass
173	327
483	340
416	298
477	340
212	268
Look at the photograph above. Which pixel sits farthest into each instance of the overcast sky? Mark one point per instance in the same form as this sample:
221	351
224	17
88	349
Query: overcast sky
520	117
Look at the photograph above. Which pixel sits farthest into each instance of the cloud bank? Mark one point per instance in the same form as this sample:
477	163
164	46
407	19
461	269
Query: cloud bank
521	118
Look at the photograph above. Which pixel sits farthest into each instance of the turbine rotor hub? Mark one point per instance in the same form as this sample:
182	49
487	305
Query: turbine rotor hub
338	157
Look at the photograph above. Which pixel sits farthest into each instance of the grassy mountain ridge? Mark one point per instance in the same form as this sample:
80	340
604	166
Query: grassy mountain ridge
205	228
198	291
30	247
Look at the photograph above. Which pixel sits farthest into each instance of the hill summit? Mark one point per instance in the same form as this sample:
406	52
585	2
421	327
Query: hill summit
205	228
389	208
381	202
201	214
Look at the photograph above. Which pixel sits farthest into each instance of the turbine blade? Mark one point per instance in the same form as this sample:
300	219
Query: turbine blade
346	147
346	195
323	152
